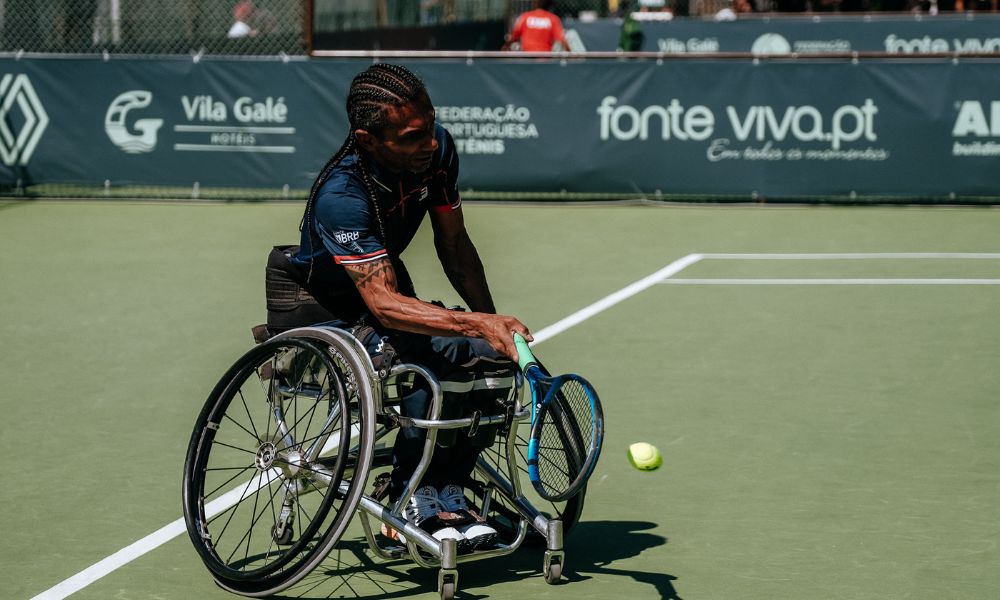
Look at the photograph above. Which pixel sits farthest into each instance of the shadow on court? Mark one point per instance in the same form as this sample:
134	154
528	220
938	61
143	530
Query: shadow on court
350	571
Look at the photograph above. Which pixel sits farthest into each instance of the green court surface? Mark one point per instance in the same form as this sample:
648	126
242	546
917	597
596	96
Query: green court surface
829	439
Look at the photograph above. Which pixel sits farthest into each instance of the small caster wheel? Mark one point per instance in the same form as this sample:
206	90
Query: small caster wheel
553	571
448	589
285	539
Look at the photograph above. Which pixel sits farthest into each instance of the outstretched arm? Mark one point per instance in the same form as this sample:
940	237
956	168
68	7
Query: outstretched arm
376	281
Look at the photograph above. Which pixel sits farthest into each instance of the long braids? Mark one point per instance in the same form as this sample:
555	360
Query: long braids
373	92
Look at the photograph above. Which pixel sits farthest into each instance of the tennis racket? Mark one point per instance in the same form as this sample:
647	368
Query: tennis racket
567	428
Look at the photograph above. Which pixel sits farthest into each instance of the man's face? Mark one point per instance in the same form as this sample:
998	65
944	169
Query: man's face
407	143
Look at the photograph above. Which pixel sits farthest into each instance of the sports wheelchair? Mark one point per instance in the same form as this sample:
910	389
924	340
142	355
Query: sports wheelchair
282	453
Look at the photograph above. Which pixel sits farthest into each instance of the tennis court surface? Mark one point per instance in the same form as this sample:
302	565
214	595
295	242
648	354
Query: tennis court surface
823	383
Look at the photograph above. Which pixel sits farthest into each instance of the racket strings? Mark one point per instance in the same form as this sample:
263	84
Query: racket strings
566	436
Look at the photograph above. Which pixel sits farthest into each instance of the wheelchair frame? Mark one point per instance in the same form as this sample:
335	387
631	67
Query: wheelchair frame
300	470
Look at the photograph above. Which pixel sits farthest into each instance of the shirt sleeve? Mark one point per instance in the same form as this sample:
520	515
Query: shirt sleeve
346	225
444	196
515	33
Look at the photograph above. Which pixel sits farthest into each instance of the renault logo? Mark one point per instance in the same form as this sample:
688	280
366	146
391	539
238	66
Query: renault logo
22	120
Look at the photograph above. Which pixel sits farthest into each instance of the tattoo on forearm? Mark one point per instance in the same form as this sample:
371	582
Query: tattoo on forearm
366	273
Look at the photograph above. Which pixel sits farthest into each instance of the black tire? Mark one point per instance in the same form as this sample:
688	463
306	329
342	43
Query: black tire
236	448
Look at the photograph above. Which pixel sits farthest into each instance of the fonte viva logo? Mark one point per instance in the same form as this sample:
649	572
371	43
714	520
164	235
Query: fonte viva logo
144	137
19	133
806	123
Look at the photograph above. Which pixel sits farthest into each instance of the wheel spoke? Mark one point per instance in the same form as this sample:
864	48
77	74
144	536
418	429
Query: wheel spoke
232	509
247	409
270	430
254	519
230	480
253	452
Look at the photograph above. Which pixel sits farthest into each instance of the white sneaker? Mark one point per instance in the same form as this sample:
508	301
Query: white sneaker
479	534
423	505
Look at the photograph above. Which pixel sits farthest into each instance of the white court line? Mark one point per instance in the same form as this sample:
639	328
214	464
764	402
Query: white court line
161	536
855	256
608	301
841	281
176	528
831	281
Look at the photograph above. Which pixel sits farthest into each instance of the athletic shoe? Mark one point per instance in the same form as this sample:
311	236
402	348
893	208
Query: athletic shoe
424	505
479	534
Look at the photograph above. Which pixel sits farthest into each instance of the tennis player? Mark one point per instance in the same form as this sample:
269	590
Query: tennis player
397	166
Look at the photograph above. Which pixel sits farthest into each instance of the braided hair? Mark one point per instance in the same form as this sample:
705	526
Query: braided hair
373	94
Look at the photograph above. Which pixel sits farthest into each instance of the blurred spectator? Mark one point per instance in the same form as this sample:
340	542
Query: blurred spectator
537	30
653	10
242	13
262	21
731	12
719	10
632	36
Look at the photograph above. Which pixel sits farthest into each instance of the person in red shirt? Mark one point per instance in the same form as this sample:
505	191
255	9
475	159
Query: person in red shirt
538	29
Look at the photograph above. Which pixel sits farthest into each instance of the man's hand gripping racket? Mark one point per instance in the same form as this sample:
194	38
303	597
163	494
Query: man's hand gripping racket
567	428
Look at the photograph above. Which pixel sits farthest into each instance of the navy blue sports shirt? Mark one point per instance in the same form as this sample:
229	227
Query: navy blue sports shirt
345	226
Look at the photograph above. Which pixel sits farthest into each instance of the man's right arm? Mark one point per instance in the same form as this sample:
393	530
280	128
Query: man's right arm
376	281
515	33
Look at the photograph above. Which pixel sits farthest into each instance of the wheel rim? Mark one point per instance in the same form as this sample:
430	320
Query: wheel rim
256	460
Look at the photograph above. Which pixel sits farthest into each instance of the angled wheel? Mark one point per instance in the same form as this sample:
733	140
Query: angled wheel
277	463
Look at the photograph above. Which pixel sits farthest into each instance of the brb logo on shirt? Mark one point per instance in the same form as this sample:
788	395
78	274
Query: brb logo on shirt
346	237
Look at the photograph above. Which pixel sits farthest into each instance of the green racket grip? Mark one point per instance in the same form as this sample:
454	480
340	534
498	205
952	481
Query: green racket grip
524	356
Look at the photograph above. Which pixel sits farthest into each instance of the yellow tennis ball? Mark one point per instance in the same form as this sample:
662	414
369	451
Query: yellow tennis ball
645	457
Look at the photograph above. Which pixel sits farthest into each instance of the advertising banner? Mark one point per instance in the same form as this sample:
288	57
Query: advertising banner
966	33
867	129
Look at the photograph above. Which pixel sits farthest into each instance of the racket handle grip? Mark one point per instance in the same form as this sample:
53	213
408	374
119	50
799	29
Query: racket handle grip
524	356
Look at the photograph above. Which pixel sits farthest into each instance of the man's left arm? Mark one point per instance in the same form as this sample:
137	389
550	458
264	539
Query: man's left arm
460	260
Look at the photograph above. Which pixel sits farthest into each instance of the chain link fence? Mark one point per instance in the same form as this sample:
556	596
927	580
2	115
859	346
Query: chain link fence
236	27
274	27
260	27
345	15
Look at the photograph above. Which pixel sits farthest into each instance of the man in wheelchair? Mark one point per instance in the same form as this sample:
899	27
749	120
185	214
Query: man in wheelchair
396	165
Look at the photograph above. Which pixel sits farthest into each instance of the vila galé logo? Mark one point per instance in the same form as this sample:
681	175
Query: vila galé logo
259	125
206	124
141	138
22	120
827	132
